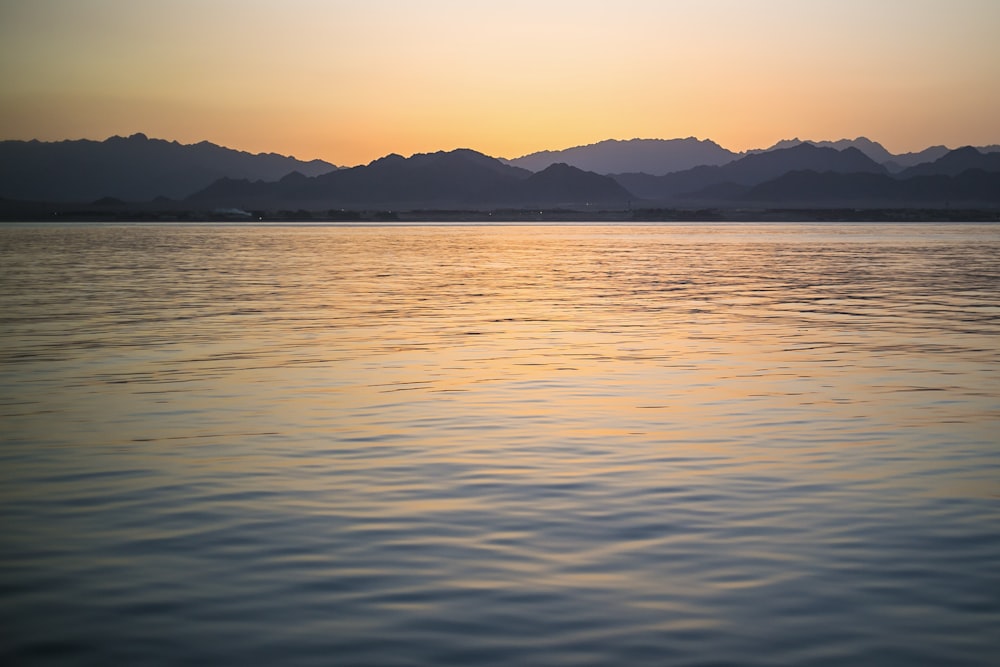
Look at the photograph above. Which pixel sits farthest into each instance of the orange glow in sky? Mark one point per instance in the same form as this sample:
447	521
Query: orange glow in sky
349	81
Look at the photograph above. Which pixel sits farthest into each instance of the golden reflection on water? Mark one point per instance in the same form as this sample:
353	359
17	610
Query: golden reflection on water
581	333
677	424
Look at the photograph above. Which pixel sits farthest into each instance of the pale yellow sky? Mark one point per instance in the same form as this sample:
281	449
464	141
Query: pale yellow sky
352	80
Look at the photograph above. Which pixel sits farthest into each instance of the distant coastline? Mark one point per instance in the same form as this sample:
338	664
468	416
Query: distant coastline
142	179
12	212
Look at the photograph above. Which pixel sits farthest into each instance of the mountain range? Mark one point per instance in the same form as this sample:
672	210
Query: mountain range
749	170
809	175
651	156
459	178
134	168
153	174
657	157
873	149
803	174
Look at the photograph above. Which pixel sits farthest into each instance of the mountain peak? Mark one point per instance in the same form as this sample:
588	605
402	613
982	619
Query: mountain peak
563	184
390	159
872	149
967	151
560	168
955	162
134	168
613	156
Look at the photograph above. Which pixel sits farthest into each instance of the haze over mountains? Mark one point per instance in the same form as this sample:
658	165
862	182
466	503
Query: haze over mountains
651	156
657	157
133	168
750	170
639	173
460	178
872	149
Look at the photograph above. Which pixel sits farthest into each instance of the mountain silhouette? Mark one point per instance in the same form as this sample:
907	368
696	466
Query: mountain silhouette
877	152
657	157
651	156
904	160
955	162
748	171
965	176
459	178
872	149
136	173
133	168
564	185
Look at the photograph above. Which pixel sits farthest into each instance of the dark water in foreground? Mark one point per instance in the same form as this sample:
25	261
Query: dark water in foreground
569	445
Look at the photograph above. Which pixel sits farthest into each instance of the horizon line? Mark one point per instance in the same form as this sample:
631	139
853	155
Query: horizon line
748	151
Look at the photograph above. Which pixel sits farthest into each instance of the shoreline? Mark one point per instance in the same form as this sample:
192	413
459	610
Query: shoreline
40	212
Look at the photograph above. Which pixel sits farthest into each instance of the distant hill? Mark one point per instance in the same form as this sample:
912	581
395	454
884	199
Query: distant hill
905	160
658	157
872	149
459	178
748	171
651	156
877	152
133	168
141	174
955	162
965	176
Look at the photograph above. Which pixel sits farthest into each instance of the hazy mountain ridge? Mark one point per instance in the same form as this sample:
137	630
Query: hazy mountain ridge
874	150
652	156
134	168
892	162
750	170
658	157
137	169
955	162
459	178
823	176
965	177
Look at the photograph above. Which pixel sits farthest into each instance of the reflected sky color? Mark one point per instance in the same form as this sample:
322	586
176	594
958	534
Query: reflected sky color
350	81
404	445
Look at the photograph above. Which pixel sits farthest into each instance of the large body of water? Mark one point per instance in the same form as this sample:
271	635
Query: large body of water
500	445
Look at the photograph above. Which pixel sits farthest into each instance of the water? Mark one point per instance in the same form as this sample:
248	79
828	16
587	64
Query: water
500	445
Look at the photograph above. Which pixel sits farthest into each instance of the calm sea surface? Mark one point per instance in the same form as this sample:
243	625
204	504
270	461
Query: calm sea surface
738	444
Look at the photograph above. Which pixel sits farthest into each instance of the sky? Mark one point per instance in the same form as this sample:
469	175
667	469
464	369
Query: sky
349	81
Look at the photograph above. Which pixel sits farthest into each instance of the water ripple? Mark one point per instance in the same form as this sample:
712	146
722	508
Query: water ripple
587	445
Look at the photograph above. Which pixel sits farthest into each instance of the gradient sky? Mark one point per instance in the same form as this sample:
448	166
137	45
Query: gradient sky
351	80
